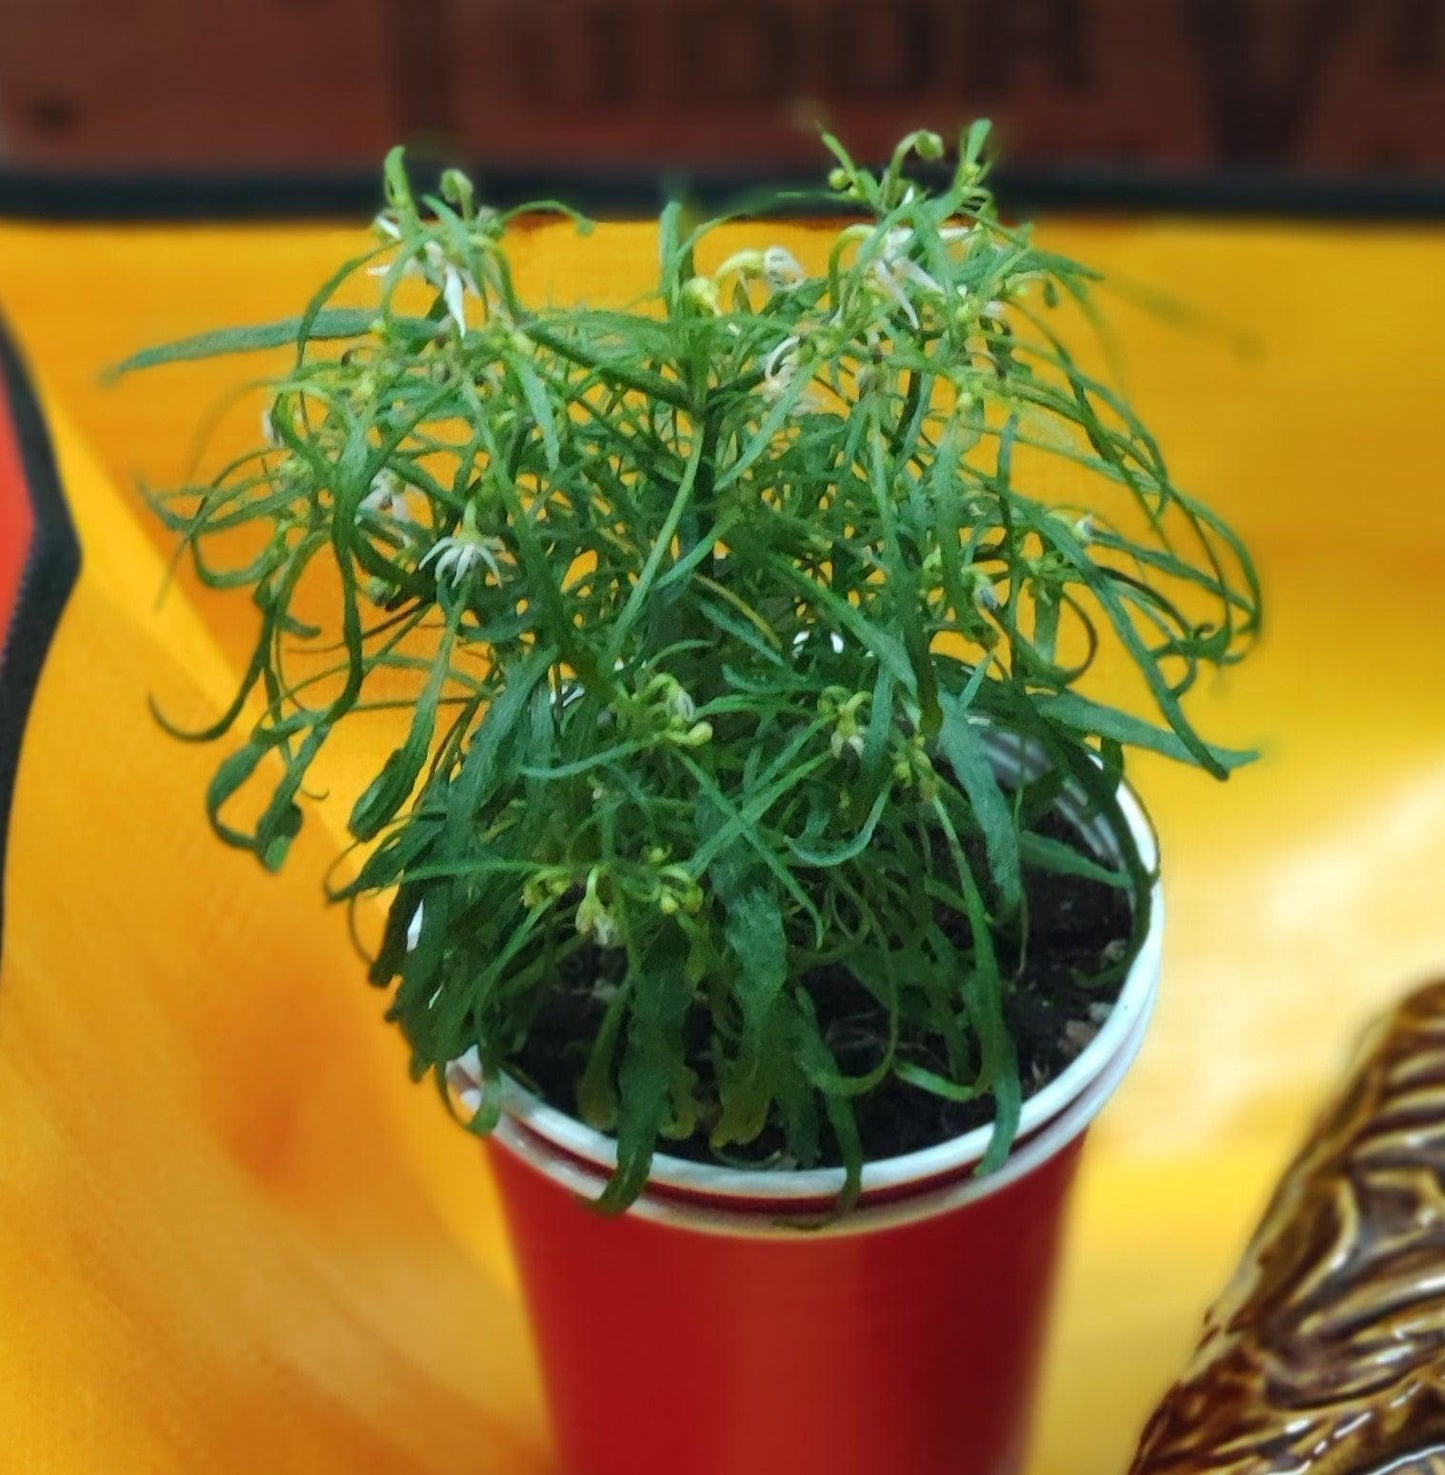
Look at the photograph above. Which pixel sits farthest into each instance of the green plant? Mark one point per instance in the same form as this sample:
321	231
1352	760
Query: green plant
705	614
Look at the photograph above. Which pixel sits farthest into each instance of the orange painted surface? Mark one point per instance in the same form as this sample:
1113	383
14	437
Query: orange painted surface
237	1239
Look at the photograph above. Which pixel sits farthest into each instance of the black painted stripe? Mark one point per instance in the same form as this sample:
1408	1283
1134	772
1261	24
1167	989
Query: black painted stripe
350	193
51	567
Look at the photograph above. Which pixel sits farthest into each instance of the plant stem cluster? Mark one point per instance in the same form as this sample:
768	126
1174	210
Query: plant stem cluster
711	615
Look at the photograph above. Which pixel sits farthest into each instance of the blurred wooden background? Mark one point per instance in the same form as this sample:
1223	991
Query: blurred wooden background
1334	88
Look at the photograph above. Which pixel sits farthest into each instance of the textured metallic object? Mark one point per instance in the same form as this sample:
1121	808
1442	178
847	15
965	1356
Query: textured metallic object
1326	1353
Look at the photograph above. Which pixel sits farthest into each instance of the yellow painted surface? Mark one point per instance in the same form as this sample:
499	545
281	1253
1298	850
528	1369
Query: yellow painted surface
236	1238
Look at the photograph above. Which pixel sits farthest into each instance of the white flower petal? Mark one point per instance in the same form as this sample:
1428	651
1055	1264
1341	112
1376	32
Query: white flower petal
894	288
455	292
911	271
465	557
384	489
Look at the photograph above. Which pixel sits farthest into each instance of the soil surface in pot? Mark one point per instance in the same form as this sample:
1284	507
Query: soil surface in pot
1071	974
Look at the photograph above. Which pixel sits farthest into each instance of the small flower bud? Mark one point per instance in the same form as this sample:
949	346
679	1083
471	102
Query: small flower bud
701	294
682	705
457	188
743	263
546	885
594	920
846	731
781	268
679	886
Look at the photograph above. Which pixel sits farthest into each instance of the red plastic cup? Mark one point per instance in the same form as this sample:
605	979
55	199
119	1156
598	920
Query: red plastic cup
708	1331
17	518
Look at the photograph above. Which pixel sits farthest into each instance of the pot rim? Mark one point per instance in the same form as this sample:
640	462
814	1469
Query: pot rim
533	1123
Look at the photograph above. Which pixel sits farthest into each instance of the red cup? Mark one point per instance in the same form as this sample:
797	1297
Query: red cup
716	1328
17	517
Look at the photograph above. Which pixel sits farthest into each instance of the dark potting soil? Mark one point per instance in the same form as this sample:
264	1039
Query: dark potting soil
1078	930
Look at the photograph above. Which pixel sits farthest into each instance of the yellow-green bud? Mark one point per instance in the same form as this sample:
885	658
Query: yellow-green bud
701	294
594	919
745	263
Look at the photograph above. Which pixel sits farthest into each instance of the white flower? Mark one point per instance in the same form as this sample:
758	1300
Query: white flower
459	554
435	268
454	290
269	432
780	368
387	498
781	269
780	373
834	640
896	271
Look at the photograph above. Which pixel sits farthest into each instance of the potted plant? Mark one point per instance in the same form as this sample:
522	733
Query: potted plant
756	863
